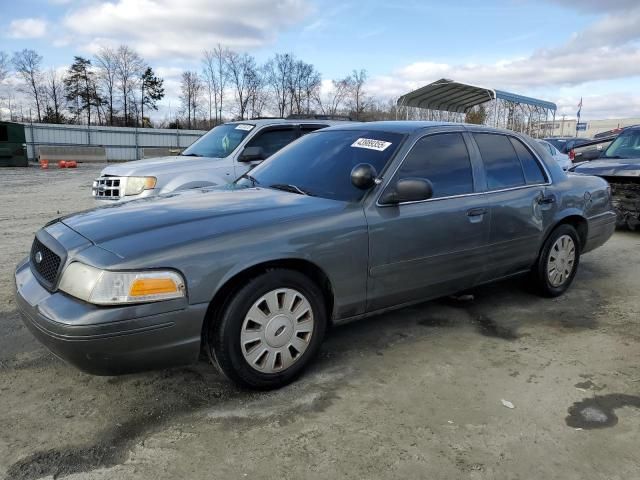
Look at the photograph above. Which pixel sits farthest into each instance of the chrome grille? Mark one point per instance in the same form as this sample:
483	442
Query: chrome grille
45	262
108	188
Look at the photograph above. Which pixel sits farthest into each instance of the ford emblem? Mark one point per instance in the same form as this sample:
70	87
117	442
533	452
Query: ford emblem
38	257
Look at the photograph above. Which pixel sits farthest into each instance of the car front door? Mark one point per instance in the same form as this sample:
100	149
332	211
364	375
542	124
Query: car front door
424	249
516	186
270	139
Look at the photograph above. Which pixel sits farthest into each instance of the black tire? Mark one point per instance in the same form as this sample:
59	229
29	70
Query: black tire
539	275
224	346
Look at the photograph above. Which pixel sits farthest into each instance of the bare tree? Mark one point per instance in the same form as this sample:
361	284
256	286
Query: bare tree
278	72
129	70
304	81
191	89
106	61
211	83
27	64
214	70
256	93
357	93
242	70
55	96
334	99
4	65
311	82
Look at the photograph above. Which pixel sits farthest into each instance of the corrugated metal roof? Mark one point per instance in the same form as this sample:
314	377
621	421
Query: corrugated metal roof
451	96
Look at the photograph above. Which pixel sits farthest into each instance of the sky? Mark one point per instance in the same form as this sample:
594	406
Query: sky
557	50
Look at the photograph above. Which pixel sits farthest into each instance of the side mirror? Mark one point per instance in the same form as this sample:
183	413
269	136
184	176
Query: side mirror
252	154
363	176
408	190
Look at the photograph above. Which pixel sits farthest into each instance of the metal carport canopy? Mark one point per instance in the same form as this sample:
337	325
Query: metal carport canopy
451	96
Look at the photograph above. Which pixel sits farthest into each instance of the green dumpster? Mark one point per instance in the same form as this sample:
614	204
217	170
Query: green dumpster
12	145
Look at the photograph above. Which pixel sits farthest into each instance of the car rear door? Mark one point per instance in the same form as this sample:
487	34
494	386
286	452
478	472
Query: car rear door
515	182
421	250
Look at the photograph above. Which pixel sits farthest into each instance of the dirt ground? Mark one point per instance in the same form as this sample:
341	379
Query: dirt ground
413	394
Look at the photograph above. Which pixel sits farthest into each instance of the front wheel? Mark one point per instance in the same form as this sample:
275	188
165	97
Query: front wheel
558	262
270	330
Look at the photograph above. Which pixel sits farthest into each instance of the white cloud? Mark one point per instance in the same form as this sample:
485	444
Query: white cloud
182	29
606	50
27	28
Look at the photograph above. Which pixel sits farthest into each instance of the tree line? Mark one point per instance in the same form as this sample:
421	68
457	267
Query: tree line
118	87
112	88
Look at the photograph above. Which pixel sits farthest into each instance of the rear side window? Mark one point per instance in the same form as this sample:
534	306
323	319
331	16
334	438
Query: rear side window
443	159
533	174
501	163
273	140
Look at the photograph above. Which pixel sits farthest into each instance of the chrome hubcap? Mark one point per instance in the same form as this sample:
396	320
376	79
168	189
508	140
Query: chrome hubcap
276	330
562	259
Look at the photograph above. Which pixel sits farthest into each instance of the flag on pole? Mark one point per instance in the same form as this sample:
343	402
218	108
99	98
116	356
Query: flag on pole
579	108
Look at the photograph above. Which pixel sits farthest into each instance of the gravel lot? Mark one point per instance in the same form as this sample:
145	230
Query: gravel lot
413	394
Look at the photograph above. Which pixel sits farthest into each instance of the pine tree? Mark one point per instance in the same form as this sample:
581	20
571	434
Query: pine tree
80	88
152	91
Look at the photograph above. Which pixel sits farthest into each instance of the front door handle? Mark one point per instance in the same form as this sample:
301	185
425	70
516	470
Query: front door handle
476	212
476	215
546	200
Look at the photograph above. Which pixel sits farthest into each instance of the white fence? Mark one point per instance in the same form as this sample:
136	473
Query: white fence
121	143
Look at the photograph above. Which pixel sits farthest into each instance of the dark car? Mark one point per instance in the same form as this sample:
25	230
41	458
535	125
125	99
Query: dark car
619	164
566	144
344	223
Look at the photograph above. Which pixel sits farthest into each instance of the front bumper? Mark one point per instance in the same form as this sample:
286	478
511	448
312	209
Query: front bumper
110	340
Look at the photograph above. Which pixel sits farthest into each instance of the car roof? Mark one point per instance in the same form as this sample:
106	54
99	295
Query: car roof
260	122
408	126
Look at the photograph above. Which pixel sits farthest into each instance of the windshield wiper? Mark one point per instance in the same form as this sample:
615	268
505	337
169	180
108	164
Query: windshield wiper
287	187
252	179
615	156
190	155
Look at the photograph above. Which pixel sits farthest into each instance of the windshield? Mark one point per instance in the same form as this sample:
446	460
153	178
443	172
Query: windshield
219	142
627	145
320	163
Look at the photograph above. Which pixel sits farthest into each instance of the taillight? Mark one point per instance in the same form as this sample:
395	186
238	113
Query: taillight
572	155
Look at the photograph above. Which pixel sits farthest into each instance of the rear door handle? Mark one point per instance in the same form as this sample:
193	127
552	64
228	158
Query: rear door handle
476	212
542	200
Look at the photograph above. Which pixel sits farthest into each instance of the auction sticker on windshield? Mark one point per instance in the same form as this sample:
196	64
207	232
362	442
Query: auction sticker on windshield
245	127
371	144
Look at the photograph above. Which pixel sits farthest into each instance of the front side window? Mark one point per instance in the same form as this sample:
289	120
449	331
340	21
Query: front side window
273	140
219	142
501	163
320	163
443	159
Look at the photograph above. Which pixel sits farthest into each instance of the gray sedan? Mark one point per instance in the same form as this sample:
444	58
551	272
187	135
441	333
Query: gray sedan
342	224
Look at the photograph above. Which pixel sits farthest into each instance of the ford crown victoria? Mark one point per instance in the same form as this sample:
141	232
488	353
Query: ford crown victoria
346	222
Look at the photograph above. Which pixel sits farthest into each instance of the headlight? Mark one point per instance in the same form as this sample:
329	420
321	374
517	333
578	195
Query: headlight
102	287
137	185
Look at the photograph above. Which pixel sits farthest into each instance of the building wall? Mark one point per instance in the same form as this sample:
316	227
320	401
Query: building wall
568	127
121	143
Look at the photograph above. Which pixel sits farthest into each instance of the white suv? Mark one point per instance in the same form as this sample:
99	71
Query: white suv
218	157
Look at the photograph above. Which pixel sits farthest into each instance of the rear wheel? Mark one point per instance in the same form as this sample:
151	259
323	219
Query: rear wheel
270	330
558	262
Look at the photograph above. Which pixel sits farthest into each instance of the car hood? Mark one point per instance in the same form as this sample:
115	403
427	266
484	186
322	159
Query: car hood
159	166
624	167
201	212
